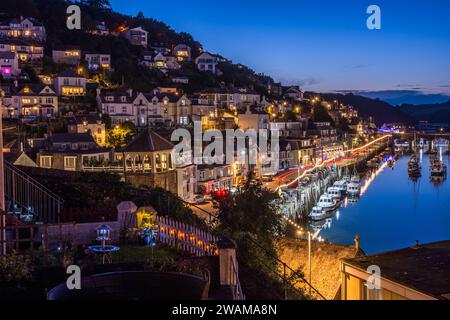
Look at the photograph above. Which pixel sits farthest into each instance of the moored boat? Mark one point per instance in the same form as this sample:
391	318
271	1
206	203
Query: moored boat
327	203
318	214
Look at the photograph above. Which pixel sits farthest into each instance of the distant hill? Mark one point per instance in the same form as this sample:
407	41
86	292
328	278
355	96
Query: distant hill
381	111
399	97
434	113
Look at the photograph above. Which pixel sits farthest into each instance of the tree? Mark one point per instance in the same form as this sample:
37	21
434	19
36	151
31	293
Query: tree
121	134
251	214
99	4
320	114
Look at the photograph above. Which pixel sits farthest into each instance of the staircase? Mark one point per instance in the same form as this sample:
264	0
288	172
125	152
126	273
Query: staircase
29	196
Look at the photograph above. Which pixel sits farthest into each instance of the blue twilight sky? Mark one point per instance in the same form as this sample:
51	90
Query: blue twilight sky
321	45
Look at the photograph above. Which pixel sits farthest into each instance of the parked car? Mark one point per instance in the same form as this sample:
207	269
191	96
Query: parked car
199	199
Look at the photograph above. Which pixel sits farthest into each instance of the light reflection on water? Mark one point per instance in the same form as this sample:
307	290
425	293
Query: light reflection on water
394	211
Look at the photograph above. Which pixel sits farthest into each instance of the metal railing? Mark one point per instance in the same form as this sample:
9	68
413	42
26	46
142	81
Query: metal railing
31	196
237	292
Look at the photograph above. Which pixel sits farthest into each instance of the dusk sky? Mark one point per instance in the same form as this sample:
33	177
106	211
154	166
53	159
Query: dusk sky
321	45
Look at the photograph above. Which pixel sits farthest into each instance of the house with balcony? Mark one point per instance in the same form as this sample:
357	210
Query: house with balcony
136	36
32	101
71	152
207	62
91	124
231	98
98	61
69	84
9	65
70	55
25	28
182	52
28	51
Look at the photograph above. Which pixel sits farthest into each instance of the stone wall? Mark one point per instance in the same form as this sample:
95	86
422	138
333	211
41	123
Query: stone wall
165	180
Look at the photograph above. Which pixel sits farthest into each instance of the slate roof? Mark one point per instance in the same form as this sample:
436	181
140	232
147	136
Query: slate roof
35	90
148	141
425	268
69	74
71	137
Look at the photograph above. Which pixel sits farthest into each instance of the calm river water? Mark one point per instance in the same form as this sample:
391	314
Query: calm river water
394	211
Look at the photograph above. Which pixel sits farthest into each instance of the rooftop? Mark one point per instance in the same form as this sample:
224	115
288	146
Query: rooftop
148	141
425	268
71	137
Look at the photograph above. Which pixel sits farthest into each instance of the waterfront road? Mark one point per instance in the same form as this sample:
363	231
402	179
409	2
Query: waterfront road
290	178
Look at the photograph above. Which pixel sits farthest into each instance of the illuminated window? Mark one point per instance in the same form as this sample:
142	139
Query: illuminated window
70	163
26	101
46	162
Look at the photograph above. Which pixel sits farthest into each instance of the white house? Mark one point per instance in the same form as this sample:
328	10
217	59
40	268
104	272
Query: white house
26	28
117	105
136	36
207	62
97	61
69	84
9	65
231	98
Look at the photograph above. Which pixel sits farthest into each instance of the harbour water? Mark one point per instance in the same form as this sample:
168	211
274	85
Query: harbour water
394	211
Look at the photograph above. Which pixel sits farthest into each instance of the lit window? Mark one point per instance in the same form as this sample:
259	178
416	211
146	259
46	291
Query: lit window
70	163
46	162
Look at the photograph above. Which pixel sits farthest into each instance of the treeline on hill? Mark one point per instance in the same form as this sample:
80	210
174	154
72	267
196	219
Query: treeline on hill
380	111
52	13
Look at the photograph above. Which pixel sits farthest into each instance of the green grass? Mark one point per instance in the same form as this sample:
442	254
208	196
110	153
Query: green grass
129	253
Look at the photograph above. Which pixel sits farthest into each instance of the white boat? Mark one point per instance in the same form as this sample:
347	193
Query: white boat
318	214
341	185
327	203
355	179
335	193
353	189
346	178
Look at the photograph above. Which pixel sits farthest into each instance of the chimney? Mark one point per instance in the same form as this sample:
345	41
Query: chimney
357	240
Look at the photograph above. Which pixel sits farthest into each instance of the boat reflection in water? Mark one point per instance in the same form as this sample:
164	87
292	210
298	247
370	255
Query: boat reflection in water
394	210
353	198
